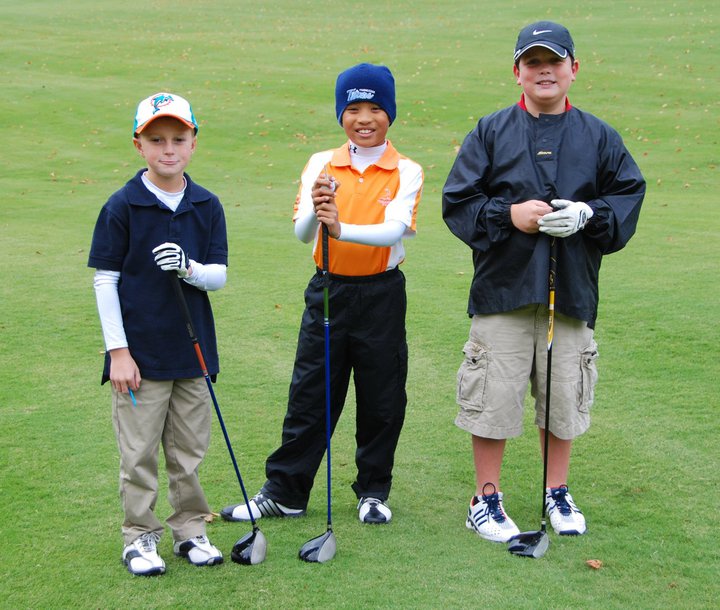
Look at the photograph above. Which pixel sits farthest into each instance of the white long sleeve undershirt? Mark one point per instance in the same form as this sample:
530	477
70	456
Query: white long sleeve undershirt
383	235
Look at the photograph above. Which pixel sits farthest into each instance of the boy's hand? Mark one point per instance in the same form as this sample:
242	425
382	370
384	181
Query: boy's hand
170	257
124	372
323	197
570	217
525	216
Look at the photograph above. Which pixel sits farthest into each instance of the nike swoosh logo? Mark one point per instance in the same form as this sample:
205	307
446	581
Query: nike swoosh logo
537	32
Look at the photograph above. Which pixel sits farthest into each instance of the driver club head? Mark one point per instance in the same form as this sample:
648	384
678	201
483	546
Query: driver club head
250	549
320	549
529	544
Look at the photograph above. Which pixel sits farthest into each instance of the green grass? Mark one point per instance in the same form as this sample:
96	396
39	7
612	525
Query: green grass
261	78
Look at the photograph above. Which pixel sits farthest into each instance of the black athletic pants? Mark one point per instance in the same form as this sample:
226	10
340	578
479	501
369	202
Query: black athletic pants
367	338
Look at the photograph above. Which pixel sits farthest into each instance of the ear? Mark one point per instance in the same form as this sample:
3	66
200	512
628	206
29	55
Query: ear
575	67
516	72
138	146
194	144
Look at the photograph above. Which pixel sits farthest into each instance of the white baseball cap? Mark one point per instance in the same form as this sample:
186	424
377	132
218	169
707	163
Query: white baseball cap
164	104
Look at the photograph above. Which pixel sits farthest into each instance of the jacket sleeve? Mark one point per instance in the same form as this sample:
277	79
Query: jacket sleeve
621	190
471	215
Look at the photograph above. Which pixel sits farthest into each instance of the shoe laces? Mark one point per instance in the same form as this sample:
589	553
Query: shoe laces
370	501
559	496
148	542
492	501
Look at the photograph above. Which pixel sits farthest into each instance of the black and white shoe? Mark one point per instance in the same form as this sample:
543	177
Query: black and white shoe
372	510
198	551
141	557
261	506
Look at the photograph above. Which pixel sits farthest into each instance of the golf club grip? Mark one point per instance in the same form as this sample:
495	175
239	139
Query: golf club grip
325	254
552	274
183	306
189	325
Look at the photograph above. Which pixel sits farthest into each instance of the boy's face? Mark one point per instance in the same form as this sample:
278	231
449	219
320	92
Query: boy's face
365	123
167	145
545	79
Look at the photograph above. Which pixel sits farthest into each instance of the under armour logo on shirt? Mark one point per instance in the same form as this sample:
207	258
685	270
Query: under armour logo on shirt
353	148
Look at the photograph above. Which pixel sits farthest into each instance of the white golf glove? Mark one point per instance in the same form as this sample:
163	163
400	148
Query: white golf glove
170	257
570	217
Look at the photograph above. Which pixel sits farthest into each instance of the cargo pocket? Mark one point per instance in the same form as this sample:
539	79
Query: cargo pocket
588	366
472	376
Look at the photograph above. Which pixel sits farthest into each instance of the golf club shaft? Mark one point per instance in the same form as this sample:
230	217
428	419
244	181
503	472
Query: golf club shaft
198	352
326	324
550	334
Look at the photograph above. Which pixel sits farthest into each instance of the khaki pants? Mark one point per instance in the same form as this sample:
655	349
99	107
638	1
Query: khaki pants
177	414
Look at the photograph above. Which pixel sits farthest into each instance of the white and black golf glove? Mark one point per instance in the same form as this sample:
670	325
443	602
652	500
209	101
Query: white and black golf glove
171	257
570	217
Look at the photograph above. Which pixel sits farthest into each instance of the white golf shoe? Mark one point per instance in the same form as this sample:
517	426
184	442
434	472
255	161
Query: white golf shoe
372	510
487	517
566	518
141	557
198	551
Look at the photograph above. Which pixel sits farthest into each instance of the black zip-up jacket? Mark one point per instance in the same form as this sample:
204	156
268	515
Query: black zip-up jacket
511	157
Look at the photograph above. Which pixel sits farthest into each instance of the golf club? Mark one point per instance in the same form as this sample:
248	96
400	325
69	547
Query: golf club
322	548
535	543
251	548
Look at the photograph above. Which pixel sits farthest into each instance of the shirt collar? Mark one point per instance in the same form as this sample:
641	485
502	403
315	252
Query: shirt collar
139	195
388	161
522	104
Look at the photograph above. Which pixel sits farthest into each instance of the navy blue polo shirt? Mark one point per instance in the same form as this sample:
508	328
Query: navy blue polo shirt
129	226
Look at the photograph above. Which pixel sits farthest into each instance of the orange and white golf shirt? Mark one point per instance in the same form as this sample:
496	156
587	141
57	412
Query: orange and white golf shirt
388	190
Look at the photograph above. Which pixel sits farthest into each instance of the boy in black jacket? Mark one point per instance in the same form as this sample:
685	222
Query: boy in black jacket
537	171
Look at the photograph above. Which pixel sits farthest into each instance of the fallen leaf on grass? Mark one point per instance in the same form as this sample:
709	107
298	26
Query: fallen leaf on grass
595	564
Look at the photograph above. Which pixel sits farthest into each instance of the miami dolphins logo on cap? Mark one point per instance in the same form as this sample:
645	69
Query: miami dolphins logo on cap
161	100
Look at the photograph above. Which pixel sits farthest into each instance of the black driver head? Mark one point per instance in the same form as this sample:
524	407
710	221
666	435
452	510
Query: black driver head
320	549
250	549
529	544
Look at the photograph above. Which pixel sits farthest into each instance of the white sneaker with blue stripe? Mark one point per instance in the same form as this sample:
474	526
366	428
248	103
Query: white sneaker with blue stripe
566	518
487	517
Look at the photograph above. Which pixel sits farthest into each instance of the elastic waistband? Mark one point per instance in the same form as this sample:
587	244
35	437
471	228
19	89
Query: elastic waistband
360	279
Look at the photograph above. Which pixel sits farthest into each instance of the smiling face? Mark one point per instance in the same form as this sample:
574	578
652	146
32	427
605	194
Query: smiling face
545	79
167	145
365	123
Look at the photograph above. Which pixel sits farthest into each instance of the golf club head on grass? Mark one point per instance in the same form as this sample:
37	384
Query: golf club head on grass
529	544
320	549
250	549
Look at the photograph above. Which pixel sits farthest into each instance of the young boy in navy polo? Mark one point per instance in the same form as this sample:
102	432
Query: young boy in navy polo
160	222
367	194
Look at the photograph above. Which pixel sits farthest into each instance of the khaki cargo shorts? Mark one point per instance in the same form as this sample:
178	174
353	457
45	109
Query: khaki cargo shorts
506	351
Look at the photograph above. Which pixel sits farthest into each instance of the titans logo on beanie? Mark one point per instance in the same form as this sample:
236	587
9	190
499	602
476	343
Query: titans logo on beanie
365	83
